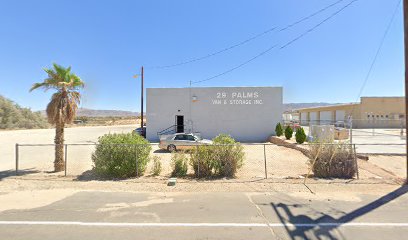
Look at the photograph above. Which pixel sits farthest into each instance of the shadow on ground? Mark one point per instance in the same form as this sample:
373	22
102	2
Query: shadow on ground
304	226
12	173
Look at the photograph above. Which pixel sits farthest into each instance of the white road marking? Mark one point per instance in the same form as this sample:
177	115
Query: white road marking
129	224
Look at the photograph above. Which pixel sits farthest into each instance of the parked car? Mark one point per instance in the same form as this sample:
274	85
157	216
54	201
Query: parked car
182	141
140	131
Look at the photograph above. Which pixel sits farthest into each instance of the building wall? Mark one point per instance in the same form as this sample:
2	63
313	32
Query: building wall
249	114
326	115
382	112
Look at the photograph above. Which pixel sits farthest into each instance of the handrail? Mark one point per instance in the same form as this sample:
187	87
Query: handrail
172	129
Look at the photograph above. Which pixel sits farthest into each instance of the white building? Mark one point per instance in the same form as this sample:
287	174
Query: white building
249	114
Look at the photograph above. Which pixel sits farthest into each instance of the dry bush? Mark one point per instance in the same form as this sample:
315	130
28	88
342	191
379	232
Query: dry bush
179	163
157	167
222	159
332	160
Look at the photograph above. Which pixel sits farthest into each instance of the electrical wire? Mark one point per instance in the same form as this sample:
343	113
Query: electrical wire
284	46
377	53
378	50
251	38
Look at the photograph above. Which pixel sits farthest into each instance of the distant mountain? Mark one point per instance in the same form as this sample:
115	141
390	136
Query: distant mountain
85	112
294	106
12	116
105	113
119	113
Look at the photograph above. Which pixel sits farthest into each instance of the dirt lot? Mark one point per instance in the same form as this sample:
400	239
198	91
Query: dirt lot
281	162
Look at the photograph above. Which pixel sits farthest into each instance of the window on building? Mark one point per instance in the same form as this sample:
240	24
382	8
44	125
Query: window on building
386	116
378	116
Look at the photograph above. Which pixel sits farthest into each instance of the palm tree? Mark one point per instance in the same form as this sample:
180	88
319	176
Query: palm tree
63	105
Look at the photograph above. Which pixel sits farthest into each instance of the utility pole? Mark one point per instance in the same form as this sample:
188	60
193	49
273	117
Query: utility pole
141	106
141	100
405	7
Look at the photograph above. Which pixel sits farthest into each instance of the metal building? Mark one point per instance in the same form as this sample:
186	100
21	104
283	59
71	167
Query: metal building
249	114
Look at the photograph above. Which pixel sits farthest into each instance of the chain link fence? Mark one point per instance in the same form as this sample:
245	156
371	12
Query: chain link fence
374	135
259	161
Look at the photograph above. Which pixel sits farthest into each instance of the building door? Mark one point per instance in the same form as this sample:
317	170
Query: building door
179	123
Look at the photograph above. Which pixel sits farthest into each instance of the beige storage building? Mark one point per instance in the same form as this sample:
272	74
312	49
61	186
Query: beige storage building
371	112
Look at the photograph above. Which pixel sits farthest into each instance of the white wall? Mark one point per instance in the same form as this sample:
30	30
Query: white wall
249	114
313	117
340	115
326	116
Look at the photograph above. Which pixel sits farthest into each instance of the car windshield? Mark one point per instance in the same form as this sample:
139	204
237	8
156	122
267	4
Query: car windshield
198	138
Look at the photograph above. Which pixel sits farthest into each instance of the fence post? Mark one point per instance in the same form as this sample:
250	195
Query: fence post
17	158
137	170
266	171
355	161
351	129
66	158
198	162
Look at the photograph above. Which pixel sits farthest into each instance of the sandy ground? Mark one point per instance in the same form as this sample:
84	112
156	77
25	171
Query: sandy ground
395	164
281	162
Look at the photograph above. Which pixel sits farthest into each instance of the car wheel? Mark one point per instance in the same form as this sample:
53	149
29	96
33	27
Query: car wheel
171	148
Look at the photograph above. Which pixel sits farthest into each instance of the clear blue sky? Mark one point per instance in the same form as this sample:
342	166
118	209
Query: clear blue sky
106	42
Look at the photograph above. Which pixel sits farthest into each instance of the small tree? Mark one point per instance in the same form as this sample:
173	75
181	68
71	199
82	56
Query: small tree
278	130
121	155
63	105
179	164
288	132
300	135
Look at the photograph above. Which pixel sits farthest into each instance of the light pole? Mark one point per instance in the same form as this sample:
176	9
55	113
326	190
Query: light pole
141	100
405	9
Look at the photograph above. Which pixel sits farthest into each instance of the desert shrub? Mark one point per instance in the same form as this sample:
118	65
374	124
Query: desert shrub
157	167
332	160
221	159
202	160
229	155
288	132
121	155
300	135
13	116
179	164
278	129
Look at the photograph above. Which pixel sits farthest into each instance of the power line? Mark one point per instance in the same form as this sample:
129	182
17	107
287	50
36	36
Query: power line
236	67
319	24
378	50
251	38
284	46
377	53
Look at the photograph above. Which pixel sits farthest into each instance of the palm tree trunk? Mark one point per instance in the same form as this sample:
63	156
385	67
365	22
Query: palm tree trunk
59	163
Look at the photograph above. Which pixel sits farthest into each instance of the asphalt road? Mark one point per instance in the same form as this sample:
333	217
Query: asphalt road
216	215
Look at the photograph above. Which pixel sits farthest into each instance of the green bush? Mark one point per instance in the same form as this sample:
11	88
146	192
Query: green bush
221	159
300	135
121	155
202	161
157	167
179	164
288	132
13	116
278	130
332	160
